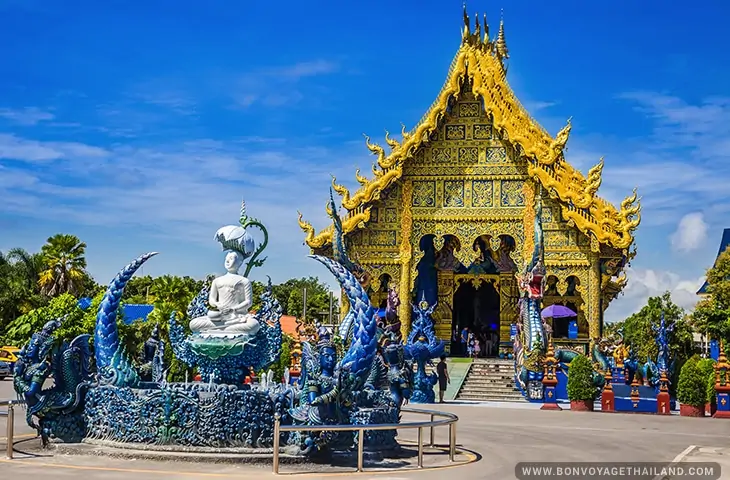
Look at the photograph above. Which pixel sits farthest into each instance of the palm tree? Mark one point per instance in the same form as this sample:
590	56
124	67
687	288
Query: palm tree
65	263
27	265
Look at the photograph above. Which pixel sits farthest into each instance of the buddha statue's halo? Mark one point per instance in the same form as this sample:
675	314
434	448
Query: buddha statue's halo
235	238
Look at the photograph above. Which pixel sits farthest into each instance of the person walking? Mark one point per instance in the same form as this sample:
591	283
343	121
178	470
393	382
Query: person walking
443	374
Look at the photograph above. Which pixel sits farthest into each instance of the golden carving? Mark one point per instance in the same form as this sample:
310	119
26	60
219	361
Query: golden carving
486	79
472	167
406	259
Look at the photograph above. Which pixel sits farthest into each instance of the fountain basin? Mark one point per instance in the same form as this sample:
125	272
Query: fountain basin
183	415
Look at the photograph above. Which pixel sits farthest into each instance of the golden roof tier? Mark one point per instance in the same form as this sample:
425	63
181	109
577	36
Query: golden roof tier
480	63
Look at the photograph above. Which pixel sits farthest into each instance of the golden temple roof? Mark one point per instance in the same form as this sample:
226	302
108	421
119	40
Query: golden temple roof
481	61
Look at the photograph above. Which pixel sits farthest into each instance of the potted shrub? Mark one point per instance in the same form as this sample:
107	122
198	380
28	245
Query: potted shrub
691	390
581	391
707	370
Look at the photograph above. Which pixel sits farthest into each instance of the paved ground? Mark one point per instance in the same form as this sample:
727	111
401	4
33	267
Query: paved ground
498	437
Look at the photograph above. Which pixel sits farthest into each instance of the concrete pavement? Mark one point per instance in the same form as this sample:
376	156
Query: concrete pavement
498	437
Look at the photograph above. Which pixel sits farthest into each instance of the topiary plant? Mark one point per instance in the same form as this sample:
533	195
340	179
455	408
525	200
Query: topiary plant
692	385
580	379
706	366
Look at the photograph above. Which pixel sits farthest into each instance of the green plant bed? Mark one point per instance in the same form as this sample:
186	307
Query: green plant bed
580	380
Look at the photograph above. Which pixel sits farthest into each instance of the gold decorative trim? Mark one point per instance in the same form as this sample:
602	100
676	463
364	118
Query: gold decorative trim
480	62
406	259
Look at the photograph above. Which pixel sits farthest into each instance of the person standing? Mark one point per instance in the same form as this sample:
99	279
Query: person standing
464	339
443	375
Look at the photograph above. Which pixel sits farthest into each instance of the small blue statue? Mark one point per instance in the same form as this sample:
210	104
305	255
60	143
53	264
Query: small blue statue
423	346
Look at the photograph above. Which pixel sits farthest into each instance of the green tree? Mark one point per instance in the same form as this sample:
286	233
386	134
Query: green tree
712	315
692	387
718	278
639	335
64	256
580	379
19	290
22	328
318	297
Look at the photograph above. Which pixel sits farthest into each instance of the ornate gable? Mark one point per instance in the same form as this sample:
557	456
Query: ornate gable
479	69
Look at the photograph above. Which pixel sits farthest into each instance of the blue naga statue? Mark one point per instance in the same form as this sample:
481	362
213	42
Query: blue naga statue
650	371
330	388
339	255
58	408
422	346
530	342
392	368
400	369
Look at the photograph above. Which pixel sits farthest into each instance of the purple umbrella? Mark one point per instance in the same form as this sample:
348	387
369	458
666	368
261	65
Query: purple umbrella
557	311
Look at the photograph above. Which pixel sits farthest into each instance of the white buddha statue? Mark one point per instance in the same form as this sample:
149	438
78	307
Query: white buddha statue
231	297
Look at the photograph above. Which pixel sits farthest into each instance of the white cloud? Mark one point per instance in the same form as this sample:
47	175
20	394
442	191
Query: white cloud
13	147
277	86
27	116
645	283
690	234
184	191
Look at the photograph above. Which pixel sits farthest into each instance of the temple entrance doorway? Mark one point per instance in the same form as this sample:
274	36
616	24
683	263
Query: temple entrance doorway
476	316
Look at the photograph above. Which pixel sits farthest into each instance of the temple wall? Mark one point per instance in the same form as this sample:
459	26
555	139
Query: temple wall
467	183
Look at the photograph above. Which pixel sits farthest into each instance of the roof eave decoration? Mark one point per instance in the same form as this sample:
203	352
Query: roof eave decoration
482	62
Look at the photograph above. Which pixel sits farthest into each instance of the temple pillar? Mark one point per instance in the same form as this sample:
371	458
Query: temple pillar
594	297
406	258
443	316
508	312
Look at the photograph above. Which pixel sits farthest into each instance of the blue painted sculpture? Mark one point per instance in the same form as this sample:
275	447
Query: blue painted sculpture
58	408
400	370
339	255
330	387
126	405
422	346
113	365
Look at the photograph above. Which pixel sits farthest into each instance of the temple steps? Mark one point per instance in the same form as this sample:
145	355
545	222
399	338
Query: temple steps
490	379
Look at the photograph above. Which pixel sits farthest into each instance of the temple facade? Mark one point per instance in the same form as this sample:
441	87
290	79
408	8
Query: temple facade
448	213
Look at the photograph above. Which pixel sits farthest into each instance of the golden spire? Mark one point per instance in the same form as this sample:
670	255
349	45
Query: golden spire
477	26
501	43
467	31
486	30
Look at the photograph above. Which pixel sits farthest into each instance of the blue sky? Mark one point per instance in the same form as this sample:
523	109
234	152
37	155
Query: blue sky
140	126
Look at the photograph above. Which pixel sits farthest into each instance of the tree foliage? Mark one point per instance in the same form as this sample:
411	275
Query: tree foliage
712	314
580	379
36	288
291	296
638	333
64	257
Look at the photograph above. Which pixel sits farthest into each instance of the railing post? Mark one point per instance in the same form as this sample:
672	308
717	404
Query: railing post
420	447
452	441
9	427
360	449
277	422
432	432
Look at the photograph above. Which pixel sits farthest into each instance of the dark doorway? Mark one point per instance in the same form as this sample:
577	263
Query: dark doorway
478	310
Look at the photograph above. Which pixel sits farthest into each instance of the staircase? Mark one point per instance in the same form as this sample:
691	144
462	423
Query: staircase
490	379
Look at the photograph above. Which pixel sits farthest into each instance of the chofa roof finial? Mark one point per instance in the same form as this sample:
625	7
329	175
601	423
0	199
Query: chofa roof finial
501	43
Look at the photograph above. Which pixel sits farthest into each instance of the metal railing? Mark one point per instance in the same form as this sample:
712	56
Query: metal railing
448	419
10	425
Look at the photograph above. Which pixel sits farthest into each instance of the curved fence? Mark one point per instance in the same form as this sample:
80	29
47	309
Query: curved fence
447	419
437	419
